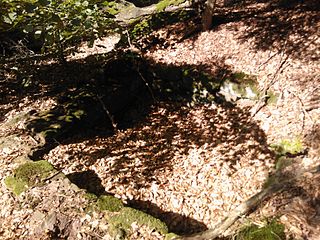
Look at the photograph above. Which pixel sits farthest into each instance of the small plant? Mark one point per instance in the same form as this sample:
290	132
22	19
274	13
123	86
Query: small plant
57	25
286	146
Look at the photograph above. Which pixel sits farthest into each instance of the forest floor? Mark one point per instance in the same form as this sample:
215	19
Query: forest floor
190	166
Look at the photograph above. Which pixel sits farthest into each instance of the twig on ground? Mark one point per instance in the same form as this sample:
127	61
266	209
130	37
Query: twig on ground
247	206
134	49
113	123
269	58
131	46
304	111
51	176
264	98
146	83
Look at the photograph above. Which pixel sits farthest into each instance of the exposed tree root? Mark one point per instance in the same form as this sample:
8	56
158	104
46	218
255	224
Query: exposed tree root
244	208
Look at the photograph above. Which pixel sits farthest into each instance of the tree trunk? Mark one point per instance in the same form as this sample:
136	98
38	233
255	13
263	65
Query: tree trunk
207	15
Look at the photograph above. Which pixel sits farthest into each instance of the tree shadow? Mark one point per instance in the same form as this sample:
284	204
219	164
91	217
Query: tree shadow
151	141
290	27
177	223
93	102
143	3
87	180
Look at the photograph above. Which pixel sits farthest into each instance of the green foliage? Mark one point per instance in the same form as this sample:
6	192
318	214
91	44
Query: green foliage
242	85
203	86
170	236
272	98
58	24
271	231
141	28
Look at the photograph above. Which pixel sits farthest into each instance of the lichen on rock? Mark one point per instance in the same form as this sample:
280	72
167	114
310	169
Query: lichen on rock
29	174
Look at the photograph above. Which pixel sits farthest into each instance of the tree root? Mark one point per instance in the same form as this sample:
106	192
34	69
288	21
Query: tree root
244	208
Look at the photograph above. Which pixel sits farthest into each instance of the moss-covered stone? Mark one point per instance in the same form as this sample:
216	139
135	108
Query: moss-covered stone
271	231
91	197
17	186
109	203
28	175
162	5
120	224
171	236
240	85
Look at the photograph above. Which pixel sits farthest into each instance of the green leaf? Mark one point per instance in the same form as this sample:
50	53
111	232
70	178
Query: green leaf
88	11
44	2
90	43
7	20
37	34
87	24
30	8
76	22
85	4
12	16
28	28
55	18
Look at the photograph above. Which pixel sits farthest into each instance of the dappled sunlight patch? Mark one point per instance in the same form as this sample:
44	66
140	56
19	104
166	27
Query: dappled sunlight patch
198	162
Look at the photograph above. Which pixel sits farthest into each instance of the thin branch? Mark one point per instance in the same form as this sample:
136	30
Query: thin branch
147	84
264	99
113	123
132	48
247	206
304	111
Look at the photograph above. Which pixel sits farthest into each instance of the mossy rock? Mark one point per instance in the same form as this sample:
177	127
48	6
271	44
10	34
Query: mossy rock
273	230
171	236
120	224
109	203
162	5
28	175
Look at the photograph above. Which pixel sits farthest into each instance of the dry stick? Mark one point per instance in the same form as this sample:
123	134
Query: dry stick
138	70
239	211
304	111
263	100
132	48
113	123
245	207
146	83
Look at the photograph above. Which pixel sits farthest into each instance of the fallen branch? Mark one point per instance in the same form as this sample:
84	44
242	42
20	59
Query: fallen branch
247	206
113	123
304	111
264	99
